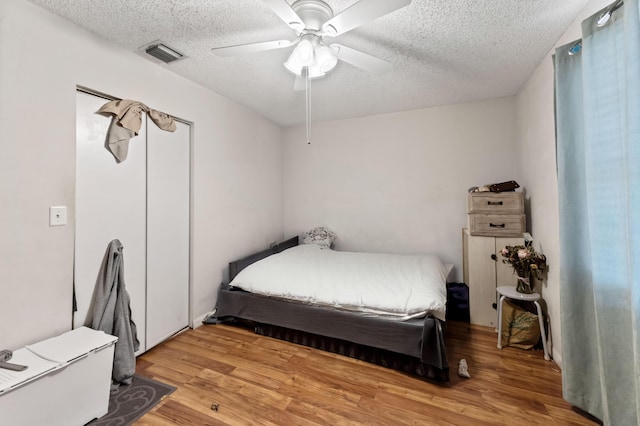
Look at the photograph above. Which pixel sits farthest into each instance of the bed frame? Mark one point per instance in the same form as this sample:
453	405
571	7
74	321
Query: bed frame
415	346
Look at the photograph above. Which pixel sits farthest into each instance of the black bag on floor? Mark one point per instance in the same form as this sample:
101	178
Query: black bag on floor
457	302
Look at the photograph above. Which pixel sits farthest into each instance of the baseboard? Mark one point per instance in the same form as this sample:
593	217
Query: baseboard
557	357
197	321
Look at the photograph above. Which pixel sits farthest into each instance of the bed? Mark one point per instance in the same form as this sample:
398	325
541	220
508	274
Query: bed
409	338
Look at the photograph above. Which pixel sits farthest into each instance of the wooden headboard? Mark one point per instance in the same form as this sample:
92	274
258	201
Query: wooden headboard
236	266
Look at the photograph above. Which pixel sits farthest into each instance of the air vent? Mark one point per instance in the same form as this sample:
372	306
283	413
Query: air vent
164	53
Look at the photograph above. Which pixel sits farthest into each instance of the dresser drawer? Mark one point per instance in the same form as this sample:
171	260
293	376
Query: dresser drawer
496	225
495	203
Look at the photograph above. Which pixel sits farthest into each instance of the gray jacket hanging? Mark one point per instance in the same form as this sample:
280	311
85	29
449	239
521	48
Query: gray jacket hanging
112	313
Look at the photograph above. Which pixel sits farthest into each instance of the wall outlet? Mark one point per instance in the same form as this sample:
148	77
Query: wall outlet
57	215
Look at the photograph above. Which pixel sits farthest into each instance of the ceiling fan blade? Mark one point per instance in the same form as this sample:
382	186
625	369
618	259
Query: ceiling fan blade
360	13
362	60
286	13
243	49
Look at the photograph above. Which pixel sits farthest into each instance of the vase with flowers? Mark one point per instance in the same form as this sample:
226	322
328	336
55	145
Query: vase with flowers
526	262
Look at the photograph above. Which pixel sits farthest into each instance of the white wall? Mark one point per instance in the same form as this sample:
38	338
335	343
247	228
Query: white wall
536	159
397	182
236	166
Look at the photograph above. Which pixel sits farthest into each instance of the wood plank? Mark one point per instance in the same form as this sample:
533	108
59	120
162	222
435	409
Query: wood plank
398	410
259	380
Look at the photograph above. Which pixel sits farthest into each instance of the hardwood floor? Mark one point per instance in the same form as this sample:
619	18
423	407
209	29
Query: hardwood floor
229	376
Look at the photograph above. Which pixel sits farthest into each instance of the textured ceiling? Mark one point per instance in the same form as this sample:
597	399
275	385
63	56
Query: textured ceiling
443	51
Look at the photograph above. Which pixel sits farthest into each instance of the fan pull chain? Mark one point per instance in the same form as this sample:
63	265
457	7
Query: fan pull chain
307	80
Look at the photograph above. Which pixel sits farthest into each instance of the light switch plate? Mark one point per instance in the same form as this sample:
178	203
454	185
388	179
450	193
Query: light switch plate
57	215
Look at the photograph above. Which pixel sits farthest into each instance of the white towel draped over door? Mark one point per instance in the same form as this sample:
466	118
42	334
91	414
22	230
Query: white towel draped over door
126	122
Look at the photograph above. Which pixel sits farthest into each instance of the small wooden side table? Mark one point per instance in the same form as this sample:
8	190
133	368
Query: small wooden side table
511	293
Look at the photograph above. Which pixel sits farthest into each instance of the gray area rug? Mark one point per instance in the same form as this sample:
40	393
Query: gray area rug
128	403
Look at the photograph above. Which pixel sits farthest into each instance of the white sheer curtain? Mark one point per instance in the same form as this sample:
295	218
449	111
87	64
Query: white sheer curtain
598	153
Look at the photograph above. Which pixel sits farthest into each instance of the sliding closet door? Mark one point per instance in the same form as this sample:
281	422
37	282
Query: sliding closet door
110	204
167	231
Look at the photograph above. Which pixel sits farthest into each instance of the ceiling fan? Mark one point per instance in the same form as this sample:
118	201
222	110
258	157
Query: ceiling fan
313	22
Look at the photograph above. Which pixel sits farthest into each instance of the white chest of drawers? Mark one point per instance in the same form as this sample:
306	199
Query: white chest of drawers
495	220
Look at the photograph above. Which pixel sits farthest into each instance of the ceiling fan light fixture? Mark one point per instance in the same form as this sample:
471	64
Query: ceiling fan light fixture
302	56
311	53
303	53
296	68
325	59
293	65
315	71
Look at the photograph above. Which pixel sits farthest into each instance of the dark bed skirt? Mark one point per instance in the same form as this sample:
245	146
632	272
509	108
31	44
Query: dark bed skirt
381	357
415	346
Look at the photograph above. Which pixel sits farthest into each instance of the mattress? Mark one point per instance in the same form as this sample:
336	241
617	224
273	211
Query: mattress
392	286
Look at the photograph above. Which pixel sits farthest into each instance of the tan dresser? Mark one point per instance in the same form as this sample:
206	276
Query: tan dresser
495	220
492	214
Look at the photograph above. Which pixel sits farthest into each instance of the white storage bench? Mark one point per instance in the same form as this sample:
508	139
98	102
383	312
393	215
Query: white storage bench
67	381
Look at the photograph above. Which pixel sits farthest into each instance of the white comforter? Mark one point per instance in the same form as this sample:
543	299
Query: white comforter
399	286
